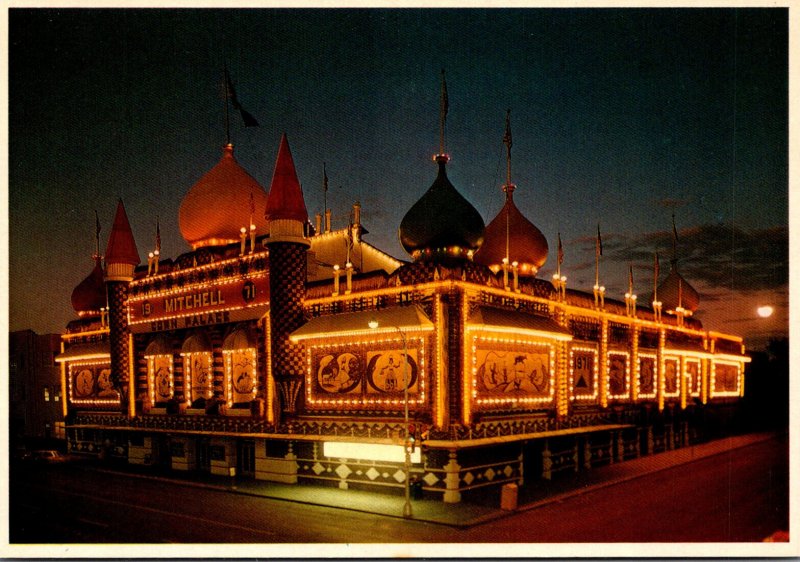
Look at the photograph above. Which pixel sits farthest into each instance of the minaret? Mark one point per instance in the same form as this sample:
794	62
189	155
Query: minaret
121	257
287	215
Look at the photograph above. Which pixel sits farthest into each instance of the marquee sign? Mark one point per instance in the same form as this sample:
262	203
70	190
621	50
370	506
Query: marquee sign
228	300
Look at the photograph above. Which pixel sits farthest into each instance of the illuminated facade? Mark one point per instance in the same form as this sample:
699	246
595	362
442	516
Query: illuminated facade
282	351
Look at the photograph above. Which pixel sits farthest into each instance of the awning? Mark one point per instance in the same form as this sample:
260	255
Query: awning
94	350
513	322
408	319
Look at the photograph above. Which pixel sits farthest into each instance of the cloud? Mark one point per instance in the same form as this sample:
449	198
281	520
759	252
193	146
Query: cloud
714	255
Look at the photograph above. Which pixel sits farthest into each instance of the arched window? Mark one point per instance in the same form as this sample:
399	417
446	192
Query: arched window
198	372
160	376
239	357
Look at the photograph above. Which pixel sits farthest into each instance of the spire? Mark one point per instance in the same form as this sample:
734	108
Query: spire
508	187
444	105
286	208
122	257
285	199
507	142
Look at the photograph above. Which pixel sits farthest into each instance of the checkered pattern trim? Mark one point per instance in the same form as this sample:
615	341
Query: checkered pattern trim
287	286
118	329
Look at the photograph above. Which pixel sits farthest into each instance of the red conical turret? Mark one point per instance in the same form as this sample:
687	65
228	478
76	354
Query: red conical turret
122	257
285	200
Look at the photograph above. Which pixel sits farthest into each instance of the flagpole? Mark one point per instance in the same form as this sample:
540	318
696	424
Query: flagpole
227	80
324	188
443	113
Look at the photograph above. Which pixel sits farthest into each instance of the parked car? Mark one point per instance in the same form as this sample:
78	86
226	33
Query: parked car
48	456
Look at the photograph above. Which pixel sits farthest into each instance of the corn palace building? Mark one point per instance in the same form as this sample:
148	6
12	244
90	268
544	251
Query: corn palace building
282	349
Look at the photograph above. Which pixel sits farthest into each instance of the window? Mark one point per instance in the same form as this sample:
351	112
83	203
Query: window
47	394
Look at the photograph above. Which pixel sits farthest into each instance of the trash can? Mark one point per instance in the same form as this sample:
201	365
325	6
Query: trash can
508	497
416	489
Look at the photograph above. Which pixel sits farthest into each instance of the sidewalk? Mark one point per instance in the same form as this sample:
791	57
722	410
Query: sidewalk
462	514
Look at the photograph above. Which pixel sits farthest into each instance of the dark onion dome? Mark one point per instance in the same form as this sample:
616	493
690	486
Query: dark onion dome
219	205
90	294
442	224
675	291
526	244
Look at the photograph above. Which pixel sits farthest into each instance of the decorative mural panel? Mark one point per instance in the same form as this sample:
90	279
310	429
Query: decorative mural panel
583	373
647	375
366	374
509	370
240	374
671	386
90	385
339	373
618	375
391	371
198	374
693	376
725	379
161	383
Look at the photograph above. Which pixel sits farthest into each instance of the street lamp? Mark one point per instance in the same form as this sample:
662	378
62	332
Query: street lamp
373	324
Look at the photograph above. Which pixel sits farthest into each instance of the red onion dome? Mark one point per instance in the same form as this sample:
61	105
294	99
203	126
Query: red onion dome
442	224
90	294
219	205
511	235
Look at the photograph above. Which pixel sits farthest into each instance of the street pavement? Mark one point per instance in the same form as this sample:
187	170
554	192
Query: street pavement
464	514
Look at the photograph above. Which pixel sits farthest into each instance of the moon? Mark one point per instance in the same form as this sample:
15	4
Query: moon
765	311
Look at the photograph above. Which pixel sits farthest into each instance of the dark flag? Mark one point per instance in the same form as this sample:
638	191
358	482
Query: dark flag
560	251
324	178
249	120
674	229
630	279
158	236
445	100
507	137
599	246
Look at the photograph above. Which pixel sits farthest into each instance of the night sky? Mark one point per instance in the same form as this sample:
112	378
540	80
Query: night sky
619	117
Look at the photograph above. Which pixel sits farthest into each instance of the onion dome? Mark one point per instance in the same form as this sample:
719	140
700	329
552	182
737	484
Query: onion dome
675	291
90	294
442	224
122	257
511	235
222	202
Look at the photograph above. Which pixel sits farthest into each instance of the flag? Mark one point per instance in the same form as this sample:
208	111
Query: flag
445	101
324	178
560	251
97	222
674	229
656	268
599	246
252	205
158	236
249	120
630	279
507	137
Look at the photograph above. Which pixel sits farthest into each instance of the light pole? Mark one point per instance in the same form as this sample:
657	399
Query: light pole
406	441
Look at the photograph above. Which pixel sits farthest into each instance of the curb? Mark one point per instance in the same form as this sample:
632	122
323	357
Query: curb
493	516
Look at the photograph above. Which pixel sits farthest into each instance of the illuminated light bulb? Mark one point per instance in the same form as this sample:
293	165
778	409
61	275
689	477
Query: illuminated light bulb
765	311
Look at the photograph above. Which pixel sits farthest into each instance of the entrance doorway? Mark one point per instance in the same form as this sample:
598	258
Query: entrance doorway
204	454
246	457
